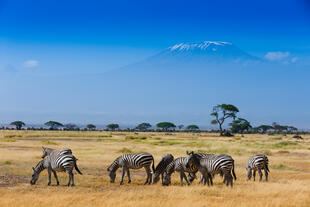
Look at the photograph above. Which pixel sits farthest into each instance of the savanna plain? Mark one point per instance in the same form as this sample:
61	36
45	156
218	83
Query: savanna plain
289	163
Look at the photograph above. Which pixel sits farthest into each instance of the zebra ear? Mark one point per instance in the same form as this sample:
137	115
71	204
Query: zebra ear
187	152
108	169
33	169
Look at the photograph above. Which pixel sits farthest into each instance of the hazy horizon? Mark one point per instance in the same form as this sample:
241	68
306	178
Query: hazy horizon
104	62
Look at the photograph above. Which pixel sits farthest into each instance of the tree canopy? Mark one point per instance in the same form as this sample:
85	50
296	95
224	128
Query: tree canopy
53	124
18	124
143	126
165	125
240	125
181	126
222	112
90	126
70	126
264	128
192	127
112	126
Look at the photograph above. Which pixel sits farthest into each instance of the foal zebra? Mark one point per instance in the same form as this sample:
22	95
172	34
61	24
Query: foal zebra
53	163
47	151
212	165
132	161
161	167
257	163
180	166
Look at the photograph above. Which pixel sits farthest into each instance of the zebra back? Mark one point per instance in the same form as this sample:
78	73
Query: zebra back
47	151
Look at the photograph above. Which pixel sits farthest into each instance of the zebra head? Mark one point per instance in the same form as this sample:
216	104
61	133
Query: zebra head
155	177
192	159
34	176
112	170
166	179
248	173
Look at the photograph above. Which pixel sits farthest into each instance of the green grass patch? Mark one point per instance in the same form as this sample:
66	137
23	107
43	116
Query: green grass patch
284	144
281	167
48	142
12	135
124	150
8	140
8	162
134	137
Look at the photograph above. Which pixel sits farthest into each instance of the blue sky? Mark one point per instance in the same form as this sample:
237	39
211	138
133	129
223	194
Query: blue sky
40	39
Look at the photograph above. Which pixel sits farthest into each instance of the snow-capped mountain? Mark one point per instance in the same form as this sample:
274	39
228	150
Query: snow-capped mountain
204	52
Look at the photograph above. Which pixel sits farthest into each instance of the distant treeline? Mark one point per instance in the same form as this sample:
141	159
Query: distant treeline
220	113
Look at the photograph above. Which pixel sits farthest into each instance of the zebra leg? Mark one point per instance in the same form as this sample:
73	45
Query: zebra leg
201	179
266	174
260	174
254	174
210	178
69	178
123	174
184	176
72	178
49	176
55	175
128	175
149	175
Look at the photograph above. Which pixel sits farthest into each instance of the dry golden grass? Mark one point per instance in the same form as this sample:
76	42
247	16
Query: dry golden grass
289	183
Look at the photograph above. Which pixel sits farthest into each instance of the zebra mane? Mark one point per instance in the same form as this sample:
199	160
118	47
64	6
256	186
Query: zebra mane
114	165
40	166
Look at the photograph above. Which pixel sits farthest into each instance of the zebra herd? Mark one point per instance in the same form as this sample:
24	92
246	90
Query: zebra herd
207	164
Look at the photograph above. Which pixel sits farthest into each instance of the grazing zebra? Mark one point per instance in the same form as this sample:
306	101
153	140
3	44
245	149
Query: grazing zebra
53	163
257	163
132	161
213	165
47	151
161	167
180	166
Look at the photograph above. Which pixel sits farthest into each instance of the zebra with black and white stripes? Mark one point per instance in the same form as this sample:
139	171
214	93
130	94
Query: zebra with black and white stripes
53	163
47	151
210	166
180	166
132	161
257	163
161	167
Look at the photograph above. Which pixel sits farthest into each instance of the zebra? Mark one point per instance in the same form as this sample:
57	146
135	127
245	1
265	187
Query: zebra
210	156
55	163
161	167
210	166
47	151
257	163
179	165
132	161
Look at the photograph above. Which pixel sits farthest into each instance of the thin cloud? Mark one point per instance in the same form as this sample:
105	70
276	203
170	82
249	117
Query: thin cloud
277	56
31	63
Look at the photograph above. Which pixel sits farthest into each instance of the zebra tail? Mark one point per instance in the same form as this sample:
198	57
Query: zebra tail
233	171
77	169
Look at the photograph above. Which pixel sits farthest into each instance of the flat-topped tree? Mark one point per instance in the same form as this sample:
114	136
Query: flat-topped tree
240	125
53	124
112	126
264	128
143	126
222	112
18	124
90	127
192	127
165	125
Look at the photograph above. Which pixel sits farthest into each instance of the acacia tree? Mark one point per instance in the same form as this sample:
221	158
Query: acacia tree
240	125
165	125
18	124
264	128
222	112
180	126
143	126
90	127
192	127
70	126
112	126
53	124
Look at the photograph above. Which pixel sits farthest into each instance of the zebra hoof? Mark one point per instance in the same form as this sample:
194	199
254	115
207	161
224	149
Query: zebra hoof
121	183
72	185
49	183
57	183
129	181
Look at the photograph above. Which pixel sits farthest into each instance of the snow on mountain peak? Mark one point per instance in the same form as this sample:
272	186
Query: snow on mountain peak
202	46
